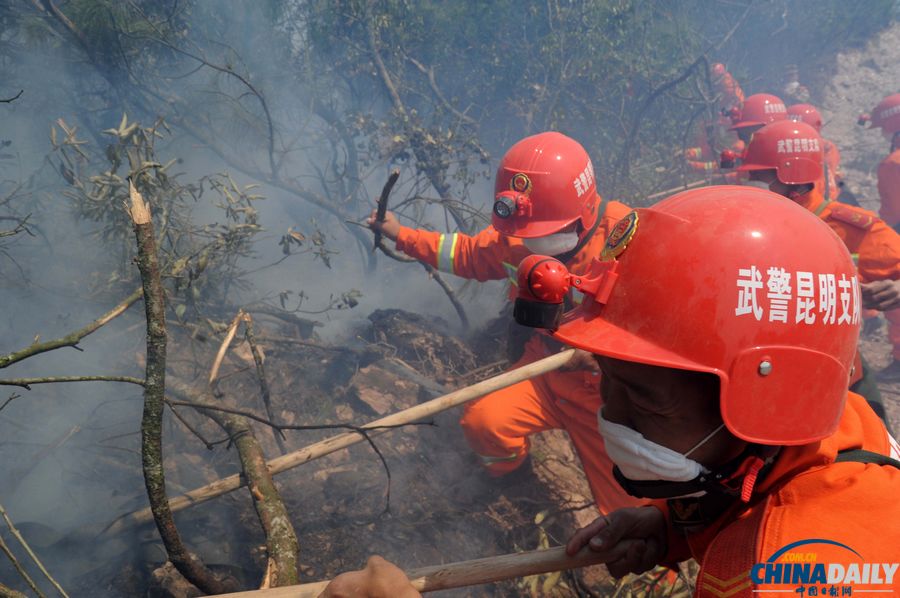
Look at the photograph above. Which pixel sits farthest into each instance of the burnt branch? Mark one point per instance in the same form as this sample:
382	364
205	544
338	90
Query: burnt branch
265	393
12	99
154	396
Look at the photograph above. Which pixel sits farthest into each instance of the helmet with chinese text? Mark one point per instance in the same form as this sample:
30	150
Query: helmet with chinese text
758	110
735	282
544	184
887	115
793	149
806	113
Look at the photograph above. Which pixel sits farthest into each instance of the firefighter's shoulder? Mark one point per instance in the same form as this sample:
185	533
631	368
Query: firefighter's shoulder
852	215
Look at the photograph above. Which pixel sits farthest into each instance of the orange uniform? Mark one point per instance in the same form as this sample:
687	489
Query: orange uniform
806	495
875	246
497	426
889	188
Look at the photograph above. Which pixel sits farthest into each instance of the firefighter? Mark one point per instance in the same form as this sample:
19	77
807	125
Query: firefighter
758	110
887	116
703	156
809	114
546	201
725	373
787	157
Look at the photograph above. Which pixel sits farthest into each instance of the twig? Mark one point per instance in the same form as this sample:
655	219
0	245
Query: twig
9	400
27	382
73	338
37	561
154	395
12	99
434	273
12	558
7	592
209	445
381	208
263	383
223	348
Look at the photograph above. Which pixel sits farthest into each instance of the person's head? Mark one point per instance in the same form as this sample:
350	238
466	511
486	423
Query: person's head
723	317
545	193
787	157
886	115
806	113
757	111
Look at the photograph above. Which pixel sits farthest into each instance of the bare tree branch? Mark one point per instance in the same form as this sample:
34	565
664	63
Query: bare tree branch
72	339
37	561
12	99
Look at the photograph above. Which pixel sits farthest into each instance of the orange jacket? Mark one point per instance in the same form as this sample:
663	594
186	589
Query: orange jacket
872	242
806	495
488	255
889	188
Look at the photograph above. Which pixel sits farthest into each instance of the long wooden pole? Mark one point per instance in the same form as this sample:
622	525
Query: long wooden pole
460	574
336	443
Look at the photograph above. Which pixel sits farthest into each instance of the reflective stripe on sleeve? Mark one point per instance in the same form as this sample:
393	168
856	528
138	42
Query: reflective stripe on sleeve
446	251
511	273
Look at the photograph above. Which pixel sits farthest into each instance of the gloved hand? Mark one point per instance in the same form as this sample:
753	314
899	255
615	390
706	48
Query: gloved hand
633	540
380	579
390	228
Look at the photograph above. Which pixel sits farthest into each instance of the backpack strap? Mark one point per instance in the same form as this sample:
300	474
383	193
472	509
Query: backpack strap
863	456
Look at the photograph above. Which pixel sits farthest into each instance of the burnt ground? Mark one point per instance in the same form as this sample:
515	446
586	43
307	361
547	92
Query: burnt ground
442	507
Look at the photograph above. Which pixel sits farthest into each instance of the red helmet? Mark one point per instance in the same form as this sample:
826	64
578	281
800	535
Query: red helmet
735	282
793	149
806	113
887	114
544	183
759	109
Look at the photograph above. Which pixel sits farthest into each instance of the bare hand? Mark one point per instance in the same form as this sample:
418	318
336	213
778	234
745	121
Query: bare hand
390	228
882	295
581	360
380	579
634	539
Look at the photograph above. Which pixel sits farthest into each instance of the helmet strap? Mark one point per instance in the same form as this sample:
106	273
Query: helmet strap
692	514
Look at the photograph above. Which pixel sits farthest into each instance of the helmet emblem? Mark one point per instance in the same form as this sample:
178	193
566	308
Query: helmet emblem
620	236
520	183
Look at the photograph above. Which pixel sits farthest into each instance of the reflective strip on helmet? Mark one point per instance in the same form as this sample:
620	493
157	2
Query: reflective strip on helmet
446	249
489	460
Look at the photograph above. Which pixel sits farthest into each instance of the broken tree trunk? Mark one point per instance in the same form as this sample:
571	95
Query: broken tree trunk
154	392
336	443
464	573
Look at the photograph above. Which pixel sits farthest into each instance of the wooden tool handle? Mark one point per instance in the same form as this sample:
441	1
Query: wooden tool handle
459	574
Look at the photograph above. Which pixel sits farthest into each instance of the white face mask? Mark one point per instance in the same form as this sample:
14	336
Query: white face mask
552	244
641	459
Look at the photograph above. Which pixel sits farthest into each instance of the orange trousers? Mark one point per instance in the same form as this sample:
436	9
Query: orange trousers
497	426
